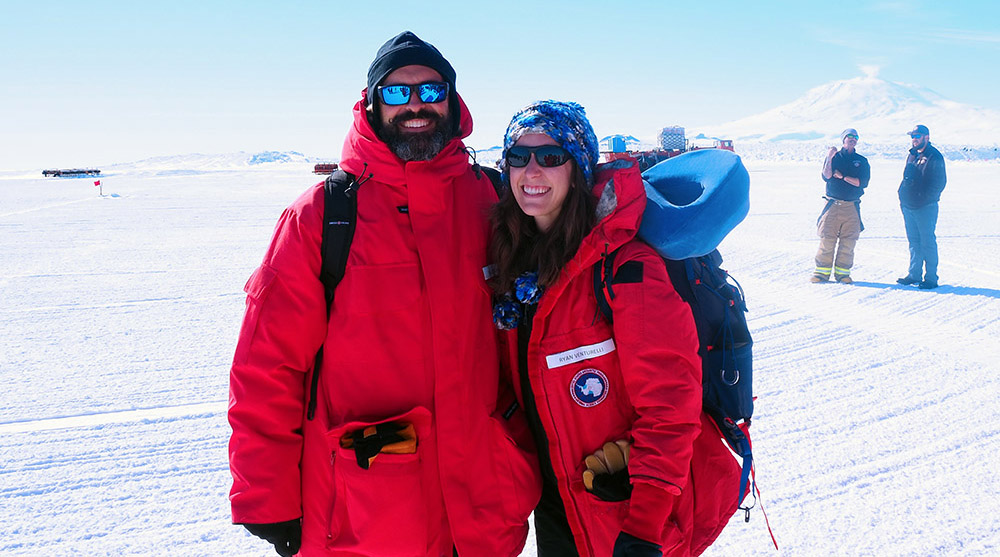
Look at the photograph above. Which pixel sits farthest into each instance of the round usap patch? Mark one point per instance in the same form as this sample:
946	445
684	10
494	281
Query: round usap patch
589	387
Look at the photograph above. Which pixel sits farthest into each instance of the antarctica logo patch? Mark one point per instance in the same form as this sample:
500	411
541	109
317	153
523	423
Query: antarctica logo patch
589	387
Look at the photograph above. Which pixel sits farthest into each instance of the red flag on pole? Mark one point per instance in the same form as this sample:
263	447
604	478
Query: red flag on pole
97	182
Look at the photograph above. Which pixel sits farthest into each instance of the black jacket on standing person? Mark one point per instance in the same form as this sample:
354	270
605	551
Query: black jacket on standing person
923	178
850	165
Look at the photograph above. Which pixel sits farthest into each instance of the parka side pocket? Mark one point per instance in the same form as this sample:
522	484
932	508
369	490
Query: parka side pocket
516	462
257	288
603	519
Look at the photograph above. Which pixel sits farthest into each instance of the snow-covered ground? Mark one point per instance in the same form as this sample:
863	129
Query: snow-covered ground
875	426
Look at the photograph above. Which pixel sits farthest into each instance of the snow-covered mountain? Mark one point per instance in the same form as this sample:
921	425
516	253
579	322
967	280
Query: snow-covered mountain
882	112
199	163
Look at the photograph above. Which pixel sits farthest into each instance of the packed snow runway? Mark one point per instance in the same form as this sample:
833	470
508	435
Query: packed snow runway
875	427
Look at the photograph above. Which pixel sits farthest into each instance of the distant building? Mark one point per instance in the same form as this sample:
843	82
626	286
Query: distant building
615	144
59	172
671	138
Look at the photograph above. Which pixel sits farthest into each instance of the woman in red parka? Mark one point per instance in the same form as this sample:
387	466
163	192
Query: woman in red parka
584	381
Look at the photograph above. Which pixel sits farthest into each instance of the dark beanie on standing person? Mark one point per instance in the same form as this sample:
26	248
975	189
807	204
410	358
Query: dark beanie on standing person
407	49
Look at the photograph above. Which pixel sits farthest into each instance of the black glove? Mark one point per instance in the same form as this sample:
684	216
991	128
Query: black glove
286	536
612	487
628	545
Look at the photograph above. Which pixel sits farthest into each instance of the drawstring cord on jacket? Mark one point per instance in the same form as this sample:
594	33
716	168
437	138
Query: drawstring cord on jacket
356	182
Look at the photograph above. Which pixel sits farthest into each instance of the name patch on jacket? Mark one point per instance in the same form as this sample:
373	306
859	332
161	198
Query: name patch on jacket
580	353
589	387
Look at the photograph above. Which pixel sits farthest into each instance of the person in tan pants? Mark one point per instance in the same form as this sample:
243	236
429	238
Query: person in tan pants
839	226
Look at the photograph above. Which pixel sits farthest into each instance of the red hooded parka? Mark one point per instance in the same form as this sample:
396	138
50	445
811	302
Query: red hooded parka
637	379
409	339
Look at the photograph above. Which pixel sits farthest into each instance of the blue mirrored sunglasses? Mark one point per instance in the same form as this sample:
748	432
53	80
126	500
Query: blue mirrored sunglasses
547	156
430	92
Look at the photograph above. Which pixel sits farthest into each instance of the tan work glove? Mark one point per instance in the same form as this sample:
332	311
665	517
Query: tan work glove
390	438
606	475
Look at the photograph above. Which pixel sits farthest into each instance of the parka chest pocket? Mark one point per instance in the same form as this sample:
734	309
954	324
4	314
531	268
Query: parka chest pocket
372	289
581	372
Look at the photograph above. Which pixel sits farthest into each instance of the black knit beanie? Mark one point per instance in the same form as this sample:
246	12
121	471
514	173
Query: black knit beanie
406	49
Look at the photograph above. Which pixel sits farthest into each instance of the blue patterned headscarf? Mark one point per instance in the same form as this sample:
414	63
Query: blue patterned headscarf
566	123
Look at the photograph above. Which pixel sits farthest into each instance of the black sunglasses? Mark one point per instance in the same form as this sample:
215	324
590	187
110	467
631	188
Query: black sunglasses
430	92
547	156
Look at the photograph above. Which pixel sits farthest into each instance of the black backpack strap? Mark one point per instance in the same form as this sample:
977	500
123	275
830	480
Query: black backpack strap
492	173
340	212
494	176
602	283
605	277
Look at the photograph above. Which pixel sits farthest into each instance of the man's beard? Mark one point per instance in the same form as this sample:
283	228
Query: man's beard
417	146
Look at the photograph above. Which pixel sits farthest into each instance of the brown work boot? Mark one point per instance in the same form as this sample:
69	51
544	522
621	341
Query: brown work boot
846	279
819	278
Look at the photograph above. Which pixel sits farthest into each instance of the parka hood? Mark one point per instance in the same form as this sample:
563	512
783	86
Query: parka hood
621	202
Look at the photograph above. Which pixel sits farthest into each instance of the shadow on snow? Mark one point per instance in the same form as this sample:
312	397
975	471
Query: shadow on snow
941	289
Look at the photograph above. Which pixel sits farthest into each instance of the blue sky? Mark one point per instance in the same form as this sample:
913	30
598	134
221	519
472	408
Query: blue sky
99	82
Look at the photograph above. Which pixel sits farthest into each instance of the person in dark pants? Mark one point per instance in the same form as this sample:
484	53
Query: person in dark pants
923	181
839	226
590	386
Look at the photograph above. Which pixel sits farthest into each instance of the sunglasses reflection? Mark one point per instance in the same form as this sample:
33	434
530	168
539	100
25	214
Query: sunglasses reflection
547	156
398	94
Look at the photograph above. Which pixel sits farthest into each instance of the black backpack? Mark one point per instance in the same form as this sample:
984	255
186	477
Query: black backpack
340	215
719	309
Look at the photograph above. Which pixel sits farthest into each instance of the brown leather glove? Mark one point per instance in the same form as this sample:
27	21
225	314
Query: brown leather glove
606	475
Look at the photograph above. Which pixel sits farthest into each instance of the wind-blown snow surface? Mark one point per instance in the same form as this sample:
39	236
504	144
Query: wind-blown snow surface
875	427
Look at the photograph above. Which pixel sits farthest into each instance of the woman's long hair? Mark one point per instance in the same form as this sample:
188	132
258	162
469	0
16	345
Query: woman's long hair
518	245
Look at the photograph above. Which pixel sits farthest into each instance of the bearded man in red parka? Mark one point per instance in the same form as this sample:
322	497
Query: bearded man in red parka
408	346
